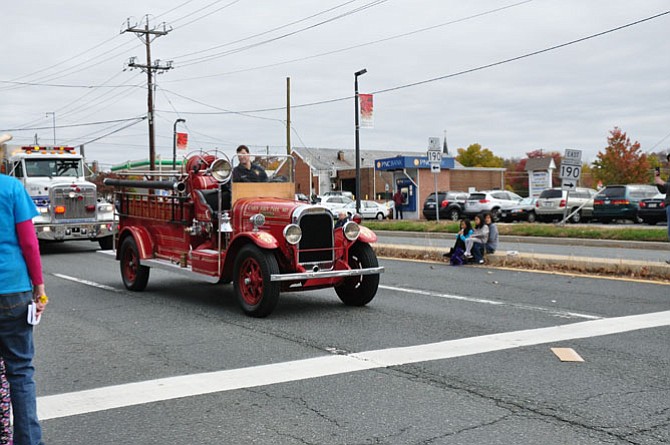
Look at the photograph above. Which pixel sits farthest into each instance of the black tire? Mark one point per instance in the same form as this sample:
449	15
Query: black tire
531	217
380	216
135	276
360	290
257	295
576	218
454	215
495	215
106	243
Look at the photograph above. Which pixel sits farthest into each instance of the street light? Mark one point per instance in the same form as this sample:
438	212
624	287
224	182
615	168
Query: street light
53	113
174	143
358	157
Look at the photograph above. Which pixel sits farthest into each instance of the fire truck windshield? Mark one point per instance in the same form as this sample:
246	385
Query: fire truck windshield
54	167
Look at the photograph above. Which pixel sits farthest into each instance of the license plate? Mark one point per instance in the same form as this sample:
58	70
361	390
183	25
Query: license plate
651	205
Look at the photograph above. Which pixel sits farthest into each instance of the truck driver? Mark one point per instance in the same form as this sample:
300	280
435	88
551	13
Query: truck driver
245	170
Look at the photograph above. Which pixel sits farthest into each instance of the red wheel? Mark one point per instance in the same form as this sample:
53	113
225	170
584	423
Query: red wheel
257	295
134	275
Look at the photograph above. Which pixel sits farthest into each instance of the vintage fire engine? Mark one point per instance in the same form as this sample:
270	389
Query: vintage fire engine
254	234
69	206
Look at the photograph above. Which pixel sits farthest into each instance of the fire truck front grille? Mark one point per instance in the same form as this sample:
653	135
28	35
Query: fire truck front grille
316	245
79	202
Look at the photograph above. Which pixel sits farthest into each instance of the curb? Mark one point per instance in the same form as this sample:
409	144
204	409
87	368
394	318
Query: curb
561	263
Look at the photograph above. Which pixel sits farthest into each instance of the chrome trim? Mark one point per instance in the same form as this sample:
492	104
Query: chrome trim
327	274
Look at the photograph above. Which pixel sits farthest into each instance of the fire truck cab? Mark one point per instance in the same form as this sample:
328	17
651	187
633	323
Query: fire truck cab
202	223
69	206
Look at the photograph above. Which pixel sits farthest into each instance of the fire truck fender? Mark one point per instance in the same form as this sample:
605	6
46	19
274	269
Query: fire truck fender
142	238
367	235
261	239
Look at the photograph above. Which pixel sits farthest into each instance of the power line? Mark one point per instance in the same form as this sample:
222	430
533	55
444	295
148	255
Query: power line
283	36
459	73
74	125
361	45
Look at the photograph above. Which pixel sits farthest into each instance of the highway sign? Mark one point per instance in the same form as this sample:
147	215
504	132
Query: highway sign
434	156
571	172
569	185
433	143
572	157
435	168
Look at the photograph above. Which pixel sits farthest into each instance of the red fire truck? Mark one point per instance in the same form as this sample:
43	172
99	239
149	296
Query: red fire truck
200	222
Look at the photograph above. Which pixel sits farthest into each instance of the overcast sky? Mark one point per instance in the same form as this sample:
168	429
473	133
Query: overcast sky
68	58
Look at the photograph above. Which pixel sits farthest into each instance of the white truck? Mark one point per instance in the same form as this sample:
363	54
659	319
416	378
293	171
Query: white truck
68	204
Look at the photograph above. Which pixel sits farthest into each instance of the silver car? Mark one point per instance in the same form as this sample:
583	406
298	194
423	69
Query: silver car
492	202
552	203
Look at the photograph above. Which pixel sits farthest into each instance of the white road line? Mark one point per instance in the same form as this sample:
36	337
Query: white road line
565	314
118	396
86	282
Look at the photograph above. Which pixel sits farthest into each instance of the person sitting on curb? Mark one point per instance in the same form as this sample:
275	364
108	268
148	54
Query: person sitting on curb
478	250
479	236
463	234
664	187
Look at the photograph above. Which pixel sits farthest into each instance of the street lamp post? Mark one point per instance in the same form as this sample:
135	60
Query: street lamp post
174	143
358	154
53	113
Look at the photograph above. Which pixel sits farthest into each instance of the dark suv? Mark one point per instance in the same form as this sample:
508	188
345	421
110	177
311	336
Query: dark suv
621	202
451	205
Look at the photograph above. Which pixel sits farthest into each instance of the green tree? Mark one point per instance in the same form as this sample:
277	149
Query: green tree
476	156
622	162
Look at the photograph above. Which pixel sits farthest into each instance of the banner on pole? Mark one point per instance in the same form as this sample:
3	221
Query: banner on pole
182	141
367	117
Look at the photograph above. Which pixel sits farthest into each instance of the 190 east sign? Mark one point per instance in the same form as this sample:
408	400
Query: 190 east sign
570	171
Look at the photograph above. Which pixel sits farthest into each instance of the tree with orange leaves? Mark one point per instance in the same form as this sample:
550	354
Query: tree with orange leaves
622	162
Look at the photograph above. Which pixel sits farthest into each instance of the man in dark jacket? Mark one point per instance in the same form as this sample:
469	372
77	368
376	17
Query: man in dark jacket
245	170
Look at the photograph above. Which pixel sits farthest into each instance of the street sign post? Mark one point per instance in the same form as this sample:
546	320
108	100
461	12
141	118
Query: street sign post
571	171
434	156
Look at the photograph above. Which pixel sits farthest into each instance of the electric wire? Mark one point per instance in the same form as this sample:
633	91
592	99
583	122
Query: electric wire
361	45
84	124
194	61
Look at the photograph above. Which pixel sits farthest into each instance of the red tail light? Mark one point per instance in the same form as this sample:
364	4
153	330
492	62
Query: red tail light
620	202
662	204
444	203
483	201
598	202
537	204
90	208
643	204
562	204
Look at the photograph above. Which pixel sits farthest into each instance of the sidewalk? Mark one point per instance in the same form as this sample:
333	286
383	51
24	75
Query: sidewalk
649	270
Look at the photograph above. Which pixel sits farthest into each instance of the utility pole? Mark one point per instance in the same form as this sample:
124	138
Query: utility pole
147	35
288	115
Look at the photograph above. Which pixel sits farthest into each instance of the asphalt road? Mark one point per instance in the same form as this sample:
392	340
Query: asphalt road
317	372
654	252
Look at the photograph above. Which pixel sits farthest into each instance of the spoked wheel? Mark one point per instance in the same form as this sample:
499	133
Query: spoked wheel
134	275
360	290
531	217
454	214
257	295
576	218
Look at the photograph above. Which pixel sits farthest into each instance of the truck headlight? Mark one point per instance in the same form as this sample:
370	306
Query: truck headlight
292	234
257	220
351	230
105	208
43	210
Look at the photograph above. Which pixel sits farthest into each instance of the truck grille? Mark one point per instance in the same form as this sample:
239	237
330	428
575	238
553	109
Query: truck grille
80	207
316	245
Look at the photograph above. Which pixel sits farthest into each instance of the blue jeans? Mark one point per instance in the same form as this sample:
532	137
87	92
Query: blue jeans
16	347
478	250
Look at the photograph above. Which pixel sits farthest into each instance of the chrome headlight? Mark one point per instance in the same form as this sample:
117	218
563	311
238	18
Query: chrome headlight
257	220
292	234
351	230
43	209
221	170
105	208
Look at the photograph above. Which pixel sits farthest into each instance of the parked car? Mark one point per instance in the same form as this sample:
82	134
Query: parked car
451	205
492	201
523	211
652	210
368	210
301	197
334	202
339	193
552	203
620	202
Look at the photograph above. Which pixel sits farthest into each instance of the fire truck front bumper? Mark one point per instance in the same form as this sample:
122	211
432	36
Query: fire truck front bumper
75	231
326	274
